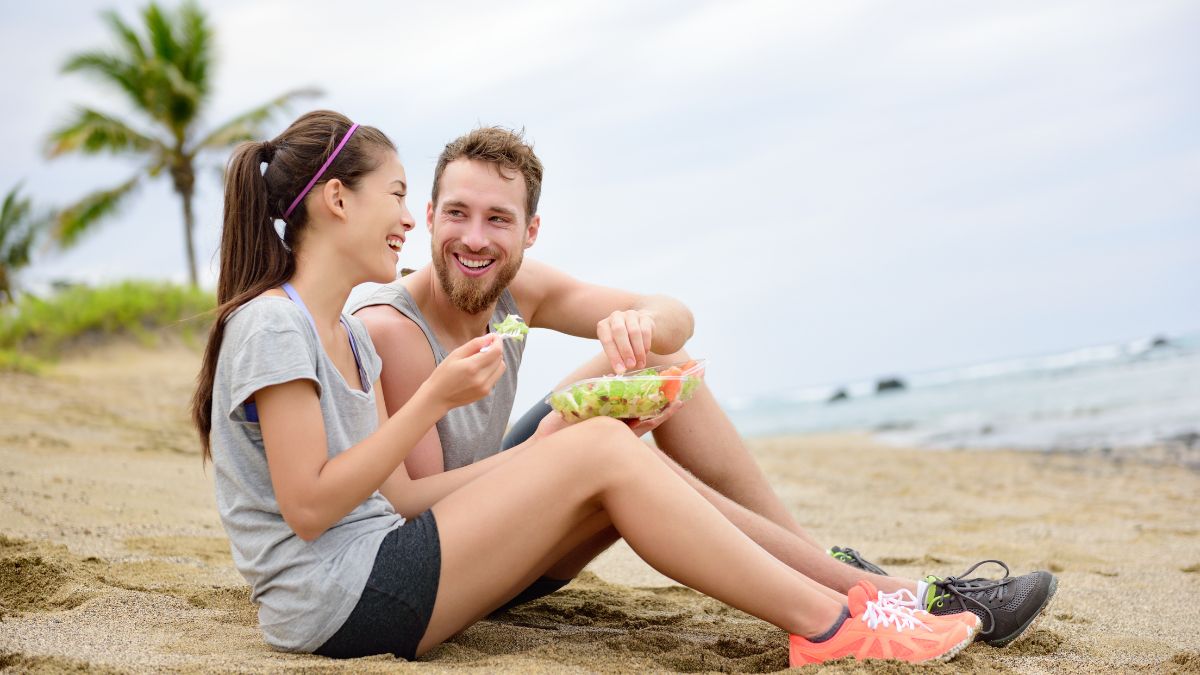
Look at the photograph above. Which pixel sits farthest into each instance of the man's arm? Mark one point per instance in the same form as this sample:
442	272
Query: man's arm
627	324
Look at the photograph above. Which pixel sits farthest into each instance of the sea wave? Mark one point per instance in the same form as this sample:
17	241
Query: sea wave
1135	393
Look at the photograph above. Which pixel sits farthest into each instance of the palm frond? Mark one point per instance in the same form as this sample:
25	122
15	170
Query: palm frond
195	47
127	37
182	101
248	125
181	54
159	30
16	251
14	210
18	230
129	77
91	132
73	222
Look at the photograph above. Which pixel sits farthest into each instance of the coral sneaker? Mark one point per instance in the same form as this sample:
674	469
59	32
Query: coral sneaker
883	630
907	599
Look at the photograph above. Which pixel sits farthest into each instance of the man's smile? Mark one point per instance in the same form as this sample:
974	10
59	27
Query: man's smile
472	265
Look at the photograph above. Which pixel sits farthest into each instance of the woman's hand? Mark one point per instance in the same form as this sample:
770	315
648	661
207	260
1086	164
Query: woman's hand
467	374
641	427
551	423
626	336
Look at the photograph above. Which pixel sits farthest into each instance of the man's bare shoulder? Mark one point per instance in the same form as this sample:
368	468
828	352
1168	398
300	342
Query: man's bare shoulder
534	281
396	337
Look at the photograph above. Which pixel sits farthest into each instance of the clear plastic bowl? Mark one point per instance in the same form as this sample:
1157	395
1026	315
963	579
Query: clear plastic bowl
638	395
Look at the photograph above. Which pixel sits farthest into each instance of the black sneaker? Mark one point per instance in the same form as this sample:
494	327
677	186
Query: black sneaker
853	559
1006	606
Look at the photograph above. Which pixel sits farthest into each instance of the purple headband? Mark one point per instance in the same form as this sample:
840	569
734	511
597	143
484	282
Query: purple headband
320	171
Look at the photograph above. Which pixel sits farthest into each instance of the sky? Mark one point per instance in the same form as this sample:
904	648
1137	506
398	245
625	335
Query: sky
838	190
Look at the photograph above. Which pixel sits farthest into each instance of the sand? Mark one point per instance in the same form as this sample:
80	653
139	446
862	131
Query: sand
112	558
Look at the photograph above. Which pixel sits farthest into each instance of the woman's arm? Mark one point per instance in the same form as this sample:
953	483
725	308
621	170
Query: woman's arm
315	492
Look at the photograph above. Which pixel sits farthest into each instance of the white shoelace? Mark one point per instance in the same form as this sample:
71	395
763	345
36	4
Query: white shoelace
901	598
885	612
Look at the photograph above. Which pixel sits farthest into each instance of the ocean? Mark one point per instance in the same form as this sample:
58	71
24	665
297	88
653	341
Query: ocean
1136	394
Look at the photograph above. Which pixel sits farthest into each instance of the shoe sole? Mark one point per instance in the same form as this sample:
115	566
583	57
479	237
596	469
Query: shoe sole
1026	627
940	658
953	652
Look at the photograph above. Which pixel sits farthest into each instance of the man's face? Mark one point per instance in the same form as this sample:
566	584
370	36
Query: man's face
479	233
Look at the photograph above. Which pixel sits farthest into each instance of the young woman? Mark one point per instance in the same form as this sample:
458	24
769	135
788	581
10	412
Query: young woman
289	410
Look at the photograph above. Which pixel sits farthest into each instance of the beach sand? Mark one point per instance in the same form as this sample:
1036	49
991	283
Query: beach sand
112	558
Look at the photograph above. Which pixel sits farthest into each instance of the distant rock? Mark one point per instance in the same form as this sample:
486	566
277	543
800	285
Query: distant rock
839	395
1160	341
889	384
894	425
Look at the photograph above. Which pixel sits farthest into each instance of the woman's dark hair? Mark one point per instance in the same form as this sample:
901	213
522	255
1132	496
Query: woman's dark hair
254	258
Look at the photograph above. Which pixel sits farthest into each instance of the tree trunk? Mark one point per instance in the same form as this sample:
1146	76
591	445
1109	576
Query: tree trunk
184	177
188	236
6	292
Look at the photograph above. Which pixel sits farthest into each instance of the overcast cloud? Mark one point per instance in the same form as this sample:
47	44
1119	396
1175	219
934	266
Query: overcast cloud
837	190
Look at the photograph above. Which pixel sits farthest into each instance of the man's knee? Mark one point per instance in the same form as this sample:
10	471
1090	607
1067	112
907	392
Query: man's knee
667	359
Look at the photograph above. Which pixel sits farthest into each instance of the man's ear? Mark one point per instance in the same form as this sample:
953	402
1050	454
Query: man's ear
531	232
333	195
429	217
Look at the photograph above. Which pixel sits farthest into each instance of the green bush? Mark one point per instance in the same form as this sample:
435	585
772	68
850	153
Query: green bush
11	361
47	326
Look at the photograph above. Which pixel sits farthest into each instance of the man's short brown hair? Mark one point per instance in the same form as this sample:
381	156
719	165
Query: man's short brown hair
505	149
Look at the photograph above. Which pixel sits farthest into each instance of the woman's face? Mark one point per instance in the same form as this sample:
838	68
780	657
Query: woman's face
378	220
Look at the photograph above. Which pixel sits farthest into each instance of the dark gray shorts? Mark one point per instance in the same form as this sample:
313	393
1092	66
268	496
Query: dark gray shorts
397	602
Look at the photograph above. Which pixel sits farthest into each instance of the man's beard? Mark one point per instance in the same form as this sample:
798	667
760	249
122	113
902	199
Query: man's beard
471	295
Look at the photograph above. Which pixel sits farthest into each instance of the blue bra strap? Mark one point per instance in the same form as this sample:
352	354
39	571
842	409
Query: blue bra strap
362	374
291	293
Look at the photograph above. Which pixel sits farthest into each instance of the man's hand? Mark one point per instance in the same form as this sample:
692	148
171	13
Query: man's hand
626	336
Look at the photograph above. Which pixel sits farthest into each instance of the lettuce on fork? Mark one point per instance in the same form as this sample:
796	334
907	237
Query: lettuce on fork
512	327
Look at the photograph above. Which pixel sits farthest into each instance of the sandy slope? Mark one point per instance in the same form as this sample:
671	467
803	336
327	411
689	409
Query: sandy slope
112	555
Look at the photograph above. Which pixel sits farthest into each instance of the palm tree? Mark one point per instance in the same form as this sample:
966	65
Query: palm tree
166	74
19	229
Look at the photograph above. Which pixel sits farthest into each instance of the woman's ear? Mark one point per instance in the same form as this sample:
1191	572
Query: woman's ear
333	197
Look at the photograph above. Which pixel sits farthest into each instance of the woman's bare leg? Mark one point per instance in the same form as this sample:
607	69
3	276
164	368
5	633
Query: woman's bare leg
700	444
701	438
506	527
836	577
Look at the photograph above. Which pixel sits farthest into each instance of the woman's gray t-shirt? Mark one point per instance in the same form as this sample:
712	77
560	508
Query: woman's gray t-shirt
305	590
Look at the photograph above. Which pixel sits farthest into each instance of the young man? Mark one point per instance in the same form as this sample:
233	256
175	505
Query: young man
482	218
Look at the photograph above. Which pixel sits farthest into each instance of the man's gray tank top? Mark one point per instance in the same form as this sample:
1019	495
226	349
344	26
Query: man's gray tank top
474	431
